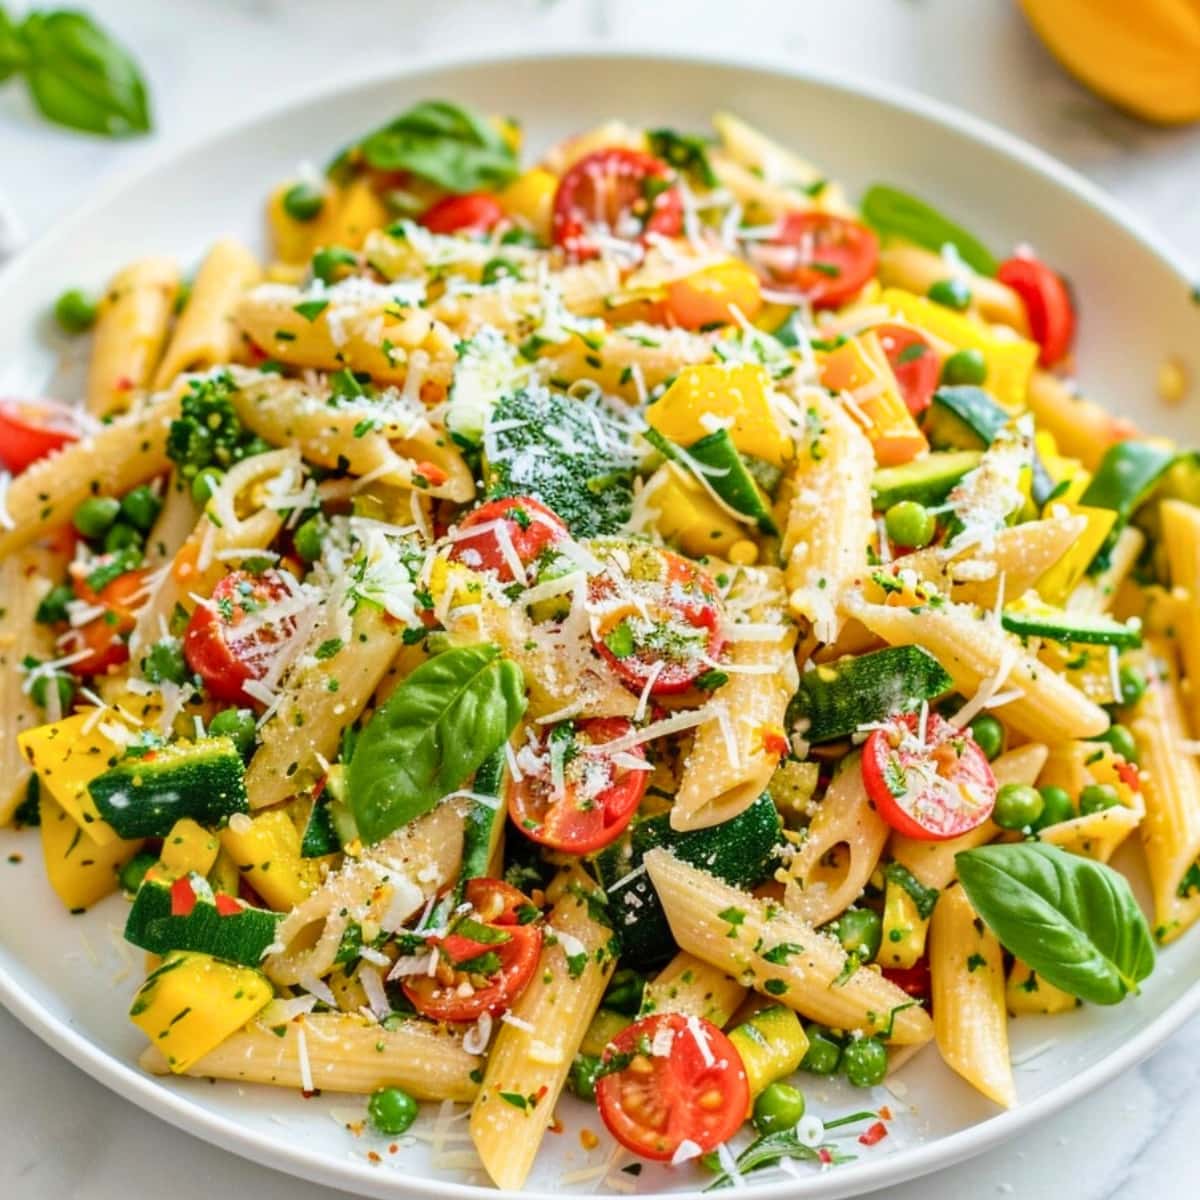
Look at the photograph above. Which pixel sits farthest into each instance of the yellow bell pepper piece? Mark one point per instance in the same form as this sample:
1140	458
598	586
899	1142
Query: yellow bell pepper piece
80	871
294	241
359	211
267	852
67	756
860	363
687	516
904	929
188	847
1055	586
223	874
1010	360
1026	993
193	1002
530	199
772	1045
737	393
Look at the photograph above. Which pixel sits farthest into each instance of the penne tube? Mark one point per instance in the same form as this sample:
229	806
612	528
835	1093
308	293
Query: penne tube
1181	537
1083	430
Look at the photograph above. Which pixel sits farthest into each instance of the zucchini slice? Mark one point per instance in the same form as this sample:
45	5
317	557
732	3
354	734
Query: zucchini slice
927	480
1092	629
1126	478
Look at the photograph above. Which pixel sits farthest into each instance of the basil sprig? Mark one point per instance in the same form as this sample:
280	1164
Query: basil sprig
1073	920
891	211
431	735
76	73
449	144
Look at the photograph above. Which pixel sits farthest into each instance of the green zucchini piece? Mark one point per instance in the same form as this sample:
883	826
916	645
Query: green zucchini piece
899	214
1093	629
481	818
741	851
320	836
835	698
144	796
239	937
1126	478
927	480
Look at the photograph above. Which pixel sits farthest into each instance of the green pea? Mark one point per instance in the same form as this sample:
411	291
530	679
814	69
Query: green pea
308	538
391	1111
988	734
94	517
965	367
860	931
205	483
141	508
238	724
64	685
865	1061
303	202
582	1077
1056	807
75	312
1018	806
328	262
952	293
121	537
1096	797
624	993
165	661
499	268
1122	741
1133	684
53	605
824	1051
134	871
778	1107
910	524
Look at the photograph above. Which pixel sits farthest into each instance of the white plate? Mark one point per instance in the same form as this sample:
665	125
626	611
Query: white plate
69	978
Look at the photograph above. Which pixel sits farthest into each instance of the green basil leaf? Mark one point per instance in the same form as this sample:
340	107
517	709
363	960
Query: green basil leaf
80	77
891	211
431	734
448	144
12	51
1073	920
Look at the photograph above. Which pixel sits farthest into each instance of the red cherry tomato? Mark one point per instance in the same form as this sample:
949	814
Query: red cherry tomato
228	642
570	799
657	623
914	364
476	212
521	524
104	637
615	193
826	258
913	980
31	429
932	788
482	966
1047	305
684	1081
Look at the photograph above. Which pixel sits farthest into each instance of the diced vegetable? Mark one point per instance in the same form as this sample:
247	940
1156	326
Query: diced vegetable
927	480
1125	480
80	871
267	852
772	1044
1062	626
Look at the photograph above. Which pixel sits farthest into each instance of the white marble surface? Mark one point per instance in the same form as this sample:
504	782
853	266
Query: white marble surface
63	1137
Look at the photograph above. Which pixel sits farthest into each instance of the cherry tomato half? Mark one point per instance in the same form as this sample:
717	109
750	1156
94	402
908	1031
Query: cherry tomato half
933	788
476	212
483	966
615	193
571	799
31	429
826	258
228	642
681	1080
104	637
914	364
714	296
1047	305
913	980
527	526
657	622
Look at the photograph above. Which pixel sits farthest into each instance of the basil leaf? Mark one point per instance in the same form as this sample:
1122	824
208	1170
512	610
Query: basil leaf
12	52
1074	921
431	734
891	211
80	77
448	144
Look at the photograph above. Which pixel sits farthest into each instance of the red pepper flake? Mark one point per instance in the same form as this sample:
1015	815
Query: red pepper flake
774	741
183	897
374	1157
1129	775
876	1133
227	906
885	1113
123	384
555	1126
393	1148
540	1093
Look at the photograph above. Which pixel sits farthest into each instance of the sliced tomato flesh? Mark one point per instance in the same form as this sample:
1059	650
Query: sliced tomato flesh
914	363
669	1079
475	212
657	621
615	193
572	796
503	536
927	778
824	258
233	639
105	637
31	429
1047	304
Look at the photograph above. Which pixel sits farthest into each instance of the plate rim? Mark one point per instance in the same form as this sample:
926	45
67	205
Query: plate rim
178	1109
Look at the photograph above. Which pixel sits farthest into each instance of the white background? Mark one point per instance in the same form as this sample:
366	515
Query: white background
63	1137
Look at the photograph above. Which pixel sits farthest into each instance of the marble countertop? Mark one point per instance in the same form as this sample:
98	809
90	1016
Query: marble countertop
212	61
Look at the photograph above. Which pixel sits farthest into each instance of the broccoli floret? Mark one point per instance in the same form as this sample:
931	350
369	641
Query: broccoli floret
567	453
207	432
